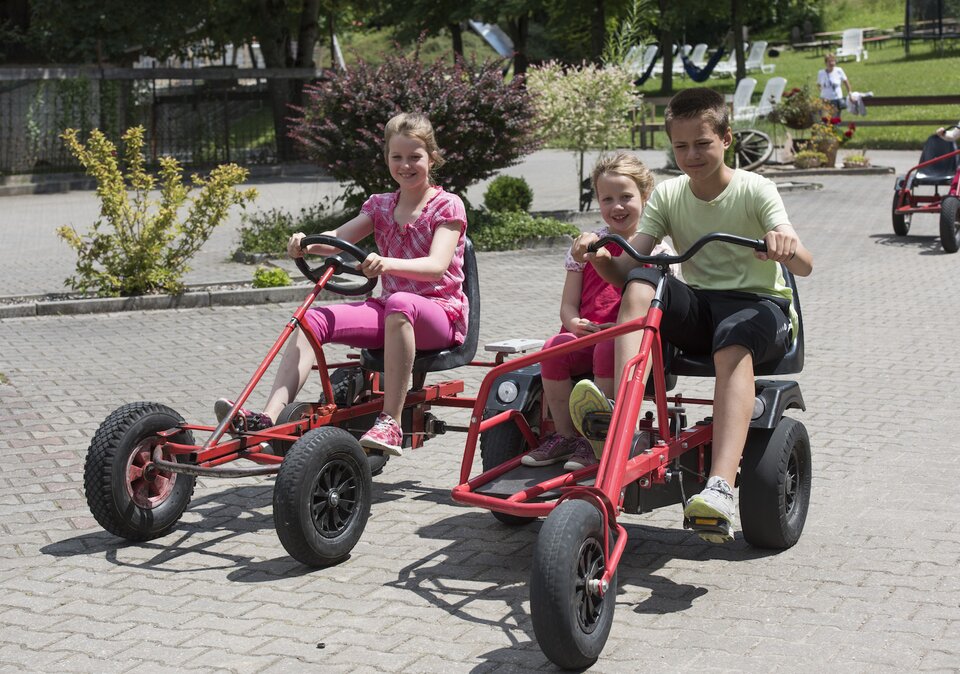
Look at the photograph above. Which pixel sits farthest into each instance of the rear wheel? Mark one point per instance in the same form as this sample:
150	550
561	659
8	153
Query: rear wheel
321	499
901	222
126	492
571	619
950	224
775	484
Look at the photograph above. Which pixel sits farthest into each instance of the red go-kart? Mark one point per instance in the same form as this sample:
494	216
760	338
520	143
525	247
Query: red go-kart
143	460
573	580
939	167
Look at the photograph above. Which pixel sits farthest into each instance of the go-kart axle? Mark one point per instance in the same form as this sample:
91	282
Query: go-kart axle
215	471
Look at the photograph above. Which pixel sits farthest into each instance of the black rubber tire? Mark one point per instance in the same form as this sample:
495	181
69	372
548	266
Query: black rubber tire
291	412
950	224
321	499
123	507
571	624
502	443
901	223
775	483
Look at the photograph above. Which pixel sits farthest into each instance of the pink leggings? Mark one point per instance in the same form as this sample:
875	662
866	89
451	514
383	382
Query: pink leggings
360	324
597	359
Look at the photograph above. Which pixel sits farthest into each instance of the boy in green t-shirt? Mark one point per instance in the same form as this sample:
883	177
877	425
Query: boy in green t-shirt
733	302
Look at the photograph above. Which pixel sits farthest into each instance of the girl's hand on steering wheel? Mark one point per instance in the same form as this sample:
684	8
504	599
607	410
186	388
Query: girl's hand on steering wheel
293	245
582	326
579	250
373	266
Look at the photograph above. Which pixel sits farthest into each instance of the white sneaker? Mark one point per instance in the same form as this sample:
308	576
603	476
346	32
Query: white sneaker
710	513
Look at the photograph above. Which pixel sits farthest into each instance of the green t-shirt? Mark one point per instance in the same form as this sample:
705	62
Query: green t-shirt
750	206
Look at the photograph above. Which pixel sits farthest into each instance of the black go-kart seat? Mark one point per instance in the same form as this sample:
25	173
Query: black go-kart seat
455	356
792	361
942	172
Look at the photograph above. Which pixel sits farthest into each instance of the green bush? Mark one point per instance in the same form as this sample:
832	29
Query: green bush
511	230
507	193
148	244
271	277
268	231
482	122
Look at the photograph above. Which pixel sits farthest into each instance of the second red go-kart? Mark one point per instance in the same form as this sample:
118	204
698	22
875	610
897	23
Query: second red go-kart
939	167
573	580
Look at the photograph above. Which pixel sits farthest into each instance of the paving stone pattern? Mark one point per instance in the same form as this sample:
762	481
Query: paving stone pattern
873	584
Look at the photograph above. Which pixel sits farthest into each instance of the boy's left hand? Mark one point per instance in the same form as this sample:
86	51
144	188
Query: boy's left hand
781	243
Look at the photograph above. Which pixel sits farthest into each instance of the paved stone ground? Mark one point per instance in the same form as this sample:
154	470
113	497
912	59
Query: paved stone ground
873	584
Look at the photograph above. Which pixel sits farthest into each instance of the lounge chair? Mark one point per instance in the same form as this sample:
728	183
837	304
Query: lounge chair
772	93
852	44
742	106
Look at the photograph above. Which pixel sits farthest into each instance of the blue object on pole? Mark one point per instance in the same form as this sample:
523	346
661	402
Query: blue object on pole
494	36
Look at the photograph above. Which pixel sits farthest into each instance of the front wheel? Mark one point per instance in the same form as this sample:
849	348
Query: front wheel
571	619
321	500
950	224
775	483
127	494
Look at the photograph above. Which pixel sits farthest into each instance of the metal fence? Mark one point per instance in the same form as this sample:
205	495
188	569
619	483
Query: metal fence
200	116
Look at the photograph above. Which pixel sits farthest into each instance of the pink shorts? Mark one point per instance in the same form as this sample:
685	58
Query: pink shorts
597	359
360	324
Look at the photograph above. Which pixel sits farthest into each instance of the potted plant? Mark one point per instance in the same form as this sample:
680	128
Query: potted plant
856	160
807	159
798	110
826	136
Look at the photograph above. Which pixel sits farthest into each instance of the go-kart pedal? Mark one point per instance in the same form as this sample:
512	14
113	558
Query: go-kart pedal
710	529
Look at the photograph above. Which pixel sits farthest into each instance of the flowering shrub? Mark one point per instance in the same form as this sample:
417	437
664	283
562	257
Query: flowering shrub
827	132
798	109
583	108
482	123
148	244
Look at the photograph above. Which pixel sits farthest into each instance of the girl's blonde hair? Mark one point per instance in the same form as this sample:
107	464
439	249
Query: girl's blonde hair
624	164
413	125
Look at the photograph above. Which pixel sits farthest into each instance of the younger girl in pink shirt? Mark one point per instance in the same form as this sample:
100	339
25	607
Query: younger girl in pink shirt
622	184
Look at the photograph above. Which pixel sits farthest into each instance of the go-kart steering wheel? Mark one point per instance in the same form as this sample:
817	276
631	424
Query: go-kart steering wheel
339	265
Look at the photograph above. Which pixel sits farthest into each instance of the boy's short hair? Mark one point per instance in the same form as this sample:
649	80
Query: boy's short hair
624	164
700	102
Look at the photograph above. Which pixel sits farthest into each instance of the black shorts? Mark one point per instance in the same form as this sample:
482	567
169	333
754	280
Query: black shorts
704	321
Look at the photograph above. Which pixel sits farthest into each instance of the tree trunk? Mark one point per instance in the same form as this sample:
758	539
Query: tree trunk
306	41
456	32
275	48
598	31
521	32
736	19
666	49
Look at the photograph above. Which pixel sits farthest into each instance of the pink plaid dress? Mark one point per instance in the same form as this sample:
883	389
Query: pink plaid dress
413	241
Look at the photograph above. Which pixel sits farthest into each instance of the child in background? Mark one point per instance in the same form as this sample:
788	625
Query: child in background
734	305
419	231
622	185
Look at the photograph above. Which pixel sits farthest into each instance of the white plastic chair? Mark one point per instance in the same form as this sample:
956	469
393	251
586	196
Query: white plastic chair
728	67
772	93
742	106
755	58
698	56
852	44
678	59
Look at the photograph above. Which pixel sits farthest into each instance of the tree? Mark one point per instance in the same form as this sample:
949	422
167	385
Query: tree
428	17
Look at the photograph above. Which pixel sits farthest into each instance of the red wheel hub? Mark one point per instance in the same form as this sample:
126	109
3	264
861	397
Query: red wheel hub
147	485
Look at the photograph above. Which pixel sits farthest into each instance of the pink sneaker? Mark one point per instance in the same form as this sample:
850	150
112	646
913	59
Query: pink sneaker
245	420
554	449
386	435
583	456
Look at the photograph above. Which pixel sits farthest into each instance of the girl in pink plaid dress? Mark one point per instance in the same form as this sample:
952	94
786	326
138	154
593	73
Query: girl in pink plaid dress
419	230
